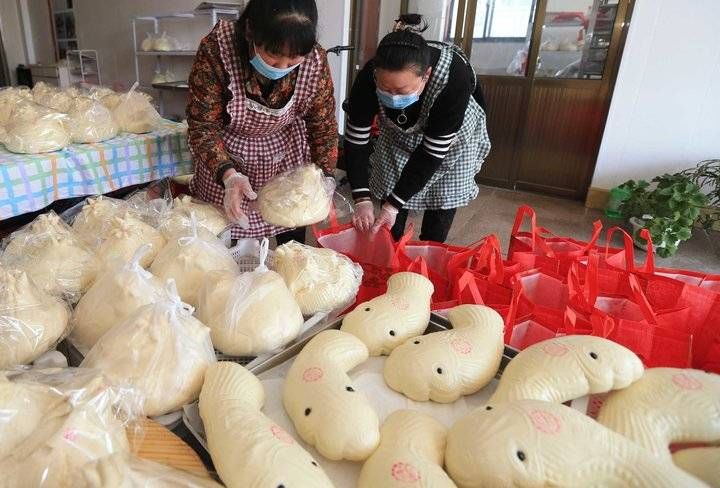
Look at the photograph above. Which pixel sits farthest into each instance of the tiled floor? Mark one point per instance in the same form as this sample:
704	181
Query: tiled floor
494	212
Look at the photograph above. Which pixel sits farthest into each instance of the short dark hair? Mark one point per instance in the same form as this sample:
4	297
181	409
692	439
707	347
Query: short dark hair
405	48
281	26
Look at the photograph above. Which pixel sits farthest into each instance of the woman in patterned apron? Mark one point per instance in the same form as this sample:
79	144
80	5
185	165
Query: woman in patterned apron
261	102
433	138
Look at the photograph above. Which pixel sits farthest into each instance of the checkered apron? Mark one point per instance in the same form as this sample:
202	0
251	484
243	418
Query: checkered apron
453	184
264	142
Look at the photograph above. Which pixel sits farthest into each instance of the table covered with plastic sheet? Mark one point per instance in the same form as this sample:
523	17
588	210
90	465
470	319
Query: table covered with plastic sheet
30	182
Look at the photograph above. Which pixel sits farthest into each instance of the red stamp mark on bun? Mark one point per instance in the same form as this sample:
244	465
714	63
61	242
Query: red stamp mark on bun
461	346
281	435
405	472
312	374
686	382
545	422
555	349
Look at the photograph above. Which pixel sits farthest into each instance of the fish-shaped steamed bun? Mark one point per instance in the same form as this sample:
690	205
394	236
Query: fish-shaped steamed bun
566	368
531	443
387	321
320	399
411	451
443	366
248	449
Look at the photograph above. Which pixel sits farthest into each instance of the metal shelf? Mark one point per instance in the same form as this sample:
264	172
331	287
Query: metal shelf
172	85
165	53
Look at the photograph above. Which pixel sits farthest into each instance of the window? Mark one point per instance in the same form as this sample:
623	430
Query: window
64	18
499	19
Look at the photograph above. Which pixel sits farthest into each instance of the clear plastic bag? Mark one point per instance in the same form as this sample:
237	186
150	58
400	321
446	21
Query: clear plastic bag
147	43
115	295
153	202
188	259
321	280
92	224
250	314
158	77
164	43
53	97
52	255
135	114
90	121
121	470
56	421
176	222
99	92
111	100
31	321
125	236
8	98
161	350
34	129
296	198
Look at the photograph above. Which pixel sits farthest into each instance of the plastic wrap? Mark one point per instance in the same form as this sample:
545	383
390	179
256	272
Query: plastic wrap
52	255
147	43
126	234
188	259
161	350
31	321
321	280
56	421
99	92
164	43
92	224
134	113
115	295
121	470
90	121
53	97
158	77
34	129
250	314
153	202
111	100
299	197
9	97
176	222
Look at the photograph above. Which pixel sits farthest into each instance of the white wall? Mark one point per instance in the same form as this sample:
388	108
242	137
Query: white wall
665	112
12	36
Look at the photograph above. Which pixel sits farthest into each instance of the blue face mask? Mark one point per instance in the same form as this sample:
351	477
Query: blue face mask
398	102
270	72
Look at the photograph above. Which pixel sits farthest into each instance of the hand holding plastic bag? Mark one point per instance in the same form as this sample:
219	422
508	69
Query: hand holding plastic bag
364	216
237	188
387	217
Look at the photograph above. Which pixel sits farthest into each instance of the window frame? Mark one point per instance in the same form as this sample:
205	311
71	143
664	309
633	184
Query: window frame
486	37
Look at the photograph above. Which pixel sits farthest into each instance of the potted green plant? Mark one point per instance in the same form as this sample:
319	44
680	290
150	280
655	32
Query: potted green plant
706	175
668	207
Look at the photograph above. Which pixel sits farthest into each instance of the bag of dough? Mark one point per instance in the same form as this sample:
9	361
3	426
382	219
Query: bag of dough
53	256
321	280
250	314
147	43
31	321
90	121
176	222
135	114
92	223
53	97
56	421
125	236
187	260
161	350
129	286
111	100
34	129
164	43
296	198
121	470
9	97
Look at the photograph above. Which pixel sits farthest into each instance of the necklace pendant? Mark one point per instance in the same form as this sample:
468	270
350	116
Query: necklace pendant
402	118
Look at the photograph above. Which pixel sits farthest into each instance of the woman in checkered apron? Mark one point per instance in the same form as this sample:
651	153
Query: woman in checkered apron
433	138
261	103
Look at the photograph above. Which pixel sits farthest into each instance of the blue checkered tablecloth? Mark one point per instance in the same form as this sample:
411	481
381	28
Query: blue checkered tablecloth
30	182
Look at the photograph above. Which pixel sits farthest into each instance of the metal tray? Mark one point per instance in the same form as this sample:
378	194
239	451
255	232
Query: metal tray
191	414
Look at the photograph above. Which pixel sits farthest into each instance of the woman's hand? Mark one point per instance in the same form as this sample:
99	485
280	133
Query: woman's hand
364	216
237	187
387	217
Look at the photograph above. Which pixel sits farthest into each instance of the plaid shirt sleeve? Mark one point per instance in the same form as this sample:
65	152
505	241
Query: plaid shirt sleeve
205	111
321	122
